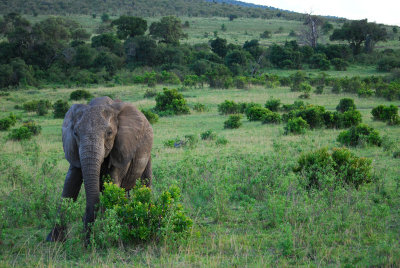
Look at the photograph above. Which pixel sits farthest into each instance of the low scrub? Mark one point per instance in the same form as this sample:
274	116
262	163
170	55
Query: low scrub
345	105
39	106
80	94
229	107
360	135
25	132
271	118
322	169
208	135
189	141
151	117
296	126
60	108
385	113
256	113
7	122
233	121
140	217
273	104
171	102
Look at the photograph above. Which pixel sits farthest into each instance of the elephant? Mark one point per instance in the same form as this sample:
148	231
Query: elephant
103	137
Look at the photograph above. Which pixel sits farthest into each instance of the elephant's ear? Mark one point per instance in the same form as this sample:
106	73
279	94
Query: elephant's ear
131	127
69	144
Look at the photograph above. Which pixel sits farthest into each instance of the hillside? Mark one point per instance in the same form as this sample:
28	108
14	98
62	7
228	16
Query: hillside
143	8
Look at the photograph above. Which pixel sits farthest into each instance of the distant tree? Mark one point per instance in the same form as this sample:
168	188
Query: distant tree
360	32
129	26
105	17
219	47
109	41
292	33
311	32
168	30
140	50
326	27
232	17
253	47
395	30
94	15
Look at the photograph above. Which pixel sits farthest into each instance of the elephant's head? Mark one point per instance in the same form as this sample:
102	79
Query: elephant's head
93	132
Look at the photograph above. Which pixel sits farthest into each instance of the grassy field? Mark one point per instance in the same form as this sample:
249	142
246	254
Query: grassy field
248	207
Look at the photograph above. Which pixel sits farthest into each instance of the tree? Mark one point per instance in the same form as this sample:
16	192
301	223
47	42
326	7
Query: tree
140	49
105	17
128	26
326	27
168	30
312	30
109	41
358	32
219	47
232	17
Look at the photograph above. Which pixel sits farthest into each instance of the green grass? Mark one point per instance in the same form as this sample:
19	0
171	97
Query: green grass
248	207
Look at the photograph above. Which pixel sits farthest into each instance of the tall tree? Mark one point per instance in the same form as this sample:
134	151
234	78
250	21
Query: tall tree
168	30
358	32
219	46
128	26
311	32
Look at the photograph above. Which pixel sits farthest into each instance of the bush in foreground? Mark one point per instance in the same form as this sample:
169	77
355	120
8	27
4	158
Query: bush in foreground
139	218
7	122
25	132
321	169
360	135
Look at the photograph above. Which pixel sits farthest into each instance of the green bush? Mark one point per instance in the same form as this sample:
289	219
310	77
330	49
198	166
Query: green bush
36	105
296	126
273	104
319	89
151	117
199	107
360	135
365	92
172	102
208	135
256	113
271	118
33	127
189	141
7	122
60	108
321	169
150	93
385	113
228	107
80	94
346	104
233	121
42	108
297	105
140	217
339	64
22	133
221	141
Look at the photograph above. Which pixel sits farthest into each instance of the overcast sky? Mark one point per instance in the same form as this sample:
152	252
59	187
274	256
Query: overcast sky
382	11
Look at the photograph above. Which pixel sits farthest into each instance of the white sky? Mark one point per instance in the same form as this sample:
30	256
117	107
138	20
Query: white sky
382	11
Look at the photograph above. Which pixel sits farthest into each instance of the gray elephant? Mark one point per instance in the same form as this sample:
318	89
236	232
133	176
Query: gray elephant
104	137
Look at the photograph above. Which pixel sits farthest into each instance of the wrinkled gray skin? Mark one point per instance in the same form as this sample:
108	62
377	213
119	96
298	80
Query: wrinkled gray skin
104	137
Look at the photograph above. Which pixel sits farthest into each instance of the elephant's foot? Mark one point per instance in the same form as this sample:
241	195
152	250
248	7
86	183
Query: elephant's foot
57	234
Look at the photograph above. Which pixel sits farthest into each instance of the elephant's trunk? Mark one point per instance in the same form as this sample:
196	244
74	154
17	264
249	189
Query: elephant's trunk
91	157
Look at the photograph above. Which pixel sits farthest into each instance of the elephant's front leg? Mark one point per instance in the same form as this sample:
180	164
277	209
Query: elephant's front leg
72	185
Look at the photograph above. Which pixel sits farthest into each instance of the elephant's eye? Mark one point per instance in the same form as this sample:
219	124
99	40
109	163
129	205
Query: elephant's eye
75	133
109	133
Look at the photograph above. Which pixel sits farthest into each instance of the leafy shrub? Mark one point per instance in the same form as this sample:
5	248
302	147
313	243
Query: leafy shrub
233	121
271	118
151	117
365	92
336	86
360	135
22	133
33	127
297	105
208	135
349	118
80	94
339	64
241	82
171	101
273	104
7	122
321	169
42	108
313	114
228	107
296	126
385	113
140	217
60	108
345	104
199	107
191	80
256	113
221	141
319	89
150	93
189	141
33	105
306	89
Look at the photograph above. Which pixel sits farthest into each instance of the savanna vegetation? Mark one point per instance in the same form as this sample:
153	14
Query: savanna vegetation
273	145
